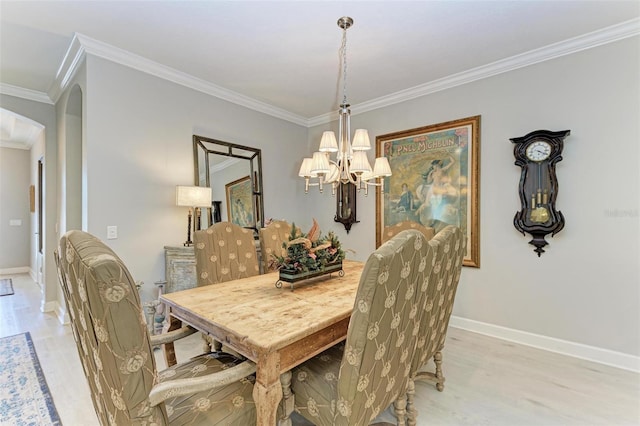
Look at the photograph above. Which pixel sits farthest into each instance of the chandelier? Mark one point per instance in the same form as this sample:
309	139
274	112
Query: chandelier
351	164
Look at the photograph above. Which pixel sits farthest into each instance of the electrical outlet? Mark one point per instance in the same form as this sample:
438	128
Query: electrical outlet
112	232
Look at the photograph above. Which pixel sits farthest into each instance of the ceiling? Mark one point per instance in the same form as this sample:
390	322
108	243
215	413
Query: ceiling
286	54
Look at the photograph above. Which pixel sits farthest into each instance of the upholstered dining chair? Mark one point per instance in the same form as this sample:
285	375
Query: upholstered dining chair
224	252
351	383
448	247
116	350
392	230
271	239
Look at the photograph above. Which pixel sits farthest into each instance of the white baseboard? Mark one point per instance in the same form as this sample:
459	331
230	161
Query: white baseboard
62	314
59	310
577	350
48	306
19	270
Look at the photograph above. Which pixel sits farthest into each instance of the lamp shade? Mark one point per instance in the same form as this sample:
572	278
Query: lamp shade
305	168
361	140
328	142
359	163
193	196
381	167
320	163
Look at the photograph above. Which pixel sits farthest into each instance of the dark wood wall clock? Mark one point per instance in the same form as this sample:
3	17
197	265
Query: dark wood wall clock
537	154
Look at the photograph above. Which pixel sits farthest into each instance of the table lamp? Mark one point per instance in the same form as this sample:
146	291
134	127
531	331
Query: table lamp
193	197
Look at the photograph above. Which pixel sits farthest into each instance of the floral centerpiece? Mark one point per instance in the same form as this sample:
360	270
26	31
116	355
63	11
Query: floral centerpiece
309	253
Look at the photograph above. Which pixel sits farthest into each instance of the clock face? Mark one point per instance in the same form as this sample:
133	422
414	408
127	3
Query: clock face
538	151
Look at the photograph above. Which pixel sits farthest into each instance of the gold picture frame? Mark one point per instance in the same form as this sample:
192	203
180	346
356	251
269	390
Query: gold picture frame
240	207
435	180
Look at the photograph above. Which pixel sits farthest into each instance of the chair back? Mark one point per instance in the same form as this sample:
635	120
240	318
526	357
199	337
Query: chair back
224	252
393	230
383	328
109	330
448	248
272	238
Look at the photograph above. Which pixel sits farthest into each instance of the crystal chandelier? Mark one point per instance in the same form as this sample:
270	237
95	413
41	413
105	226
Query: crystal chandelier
351	164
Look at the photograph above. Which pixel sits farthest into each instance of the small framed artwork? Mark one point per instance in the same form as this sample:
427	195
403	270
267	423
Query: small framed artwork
435	180
32	198
240	206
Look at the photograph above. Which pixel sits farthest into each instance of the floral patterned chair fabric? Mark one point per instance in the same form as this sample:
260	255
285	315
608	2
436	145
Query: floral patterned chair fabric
224	252
448	248
115	350
392	230
271	239
351	383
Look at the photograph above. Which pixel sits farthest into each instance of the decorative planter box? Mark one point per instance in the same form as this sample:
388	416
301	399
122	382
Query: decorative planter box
292	278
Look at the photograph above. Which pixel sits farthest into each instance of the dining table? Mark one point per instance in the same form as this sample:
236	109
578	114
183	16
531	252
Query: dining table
276	328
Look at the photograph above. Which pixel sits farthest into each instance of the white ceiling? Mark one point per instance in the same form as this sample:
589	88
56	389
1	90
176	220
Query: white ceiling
285	54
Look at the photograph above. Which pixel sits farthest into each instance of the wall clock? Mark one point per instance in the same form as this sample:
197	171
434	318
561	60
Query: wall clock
537	154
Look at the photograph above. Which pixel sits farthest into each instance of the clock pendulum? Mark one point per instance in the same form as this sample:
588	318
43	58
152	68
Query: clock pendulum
539	199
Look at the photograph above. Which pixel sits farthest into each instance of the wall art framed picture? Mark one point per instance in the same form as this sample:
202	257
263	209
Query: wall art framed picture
240	208
435	180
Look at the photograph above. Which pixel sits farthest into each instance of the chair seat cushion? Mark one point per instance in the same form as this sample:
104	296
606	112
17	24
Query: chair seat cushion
231	404
314	385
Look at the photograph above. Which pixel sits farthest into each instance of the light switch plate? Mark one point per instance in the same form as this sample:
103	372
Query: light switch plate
112	232
15	222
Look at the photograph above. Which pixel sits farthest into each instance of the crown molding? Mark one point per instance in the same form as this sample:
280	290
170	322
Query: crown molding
123	57
71	62
19	92
573	45
82	45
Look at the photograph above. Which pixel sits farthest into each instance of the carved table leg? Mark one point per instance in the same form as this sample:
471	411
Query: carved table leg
169	350
287	402
267	391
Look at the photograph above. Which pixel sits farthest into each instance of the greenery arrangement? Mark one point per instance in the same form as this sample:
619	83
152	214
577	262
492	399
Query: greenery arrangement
309	252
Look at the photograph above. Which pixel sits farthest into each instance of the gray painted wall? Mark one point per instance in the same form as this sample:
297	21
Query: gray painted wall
14	208
138	147
45	115
585	289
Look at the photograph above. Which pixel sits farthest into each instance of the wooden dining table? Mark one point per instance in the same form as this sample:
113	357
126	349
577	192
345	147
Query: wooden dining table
277	328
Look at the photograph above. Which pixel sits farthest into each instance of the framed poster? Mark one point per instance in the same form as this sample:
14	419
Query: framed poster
435	180
240	208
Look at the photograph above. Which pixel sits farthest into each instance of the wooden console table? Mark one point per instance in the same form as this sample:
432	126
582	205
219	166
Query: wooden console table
179	269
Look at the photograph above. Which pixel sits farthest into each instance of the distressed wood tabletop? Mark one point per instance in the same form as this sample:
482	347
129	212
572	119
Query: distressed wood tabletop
277	328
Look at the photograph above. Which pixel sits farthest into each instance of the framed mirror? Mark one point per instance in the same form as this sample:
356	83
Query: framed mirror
234	174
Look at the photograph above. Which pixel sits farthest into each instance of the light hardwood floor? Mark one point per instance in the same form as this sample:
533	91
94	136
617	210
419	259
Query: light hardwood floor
489	381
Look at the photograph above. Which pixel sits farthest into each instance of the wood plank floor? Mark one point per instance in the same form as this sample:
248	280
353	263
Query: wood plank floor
489	381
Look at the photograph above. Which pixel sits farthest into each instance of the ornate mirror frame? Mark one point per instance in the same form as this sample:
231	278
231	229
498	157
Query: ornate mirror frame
222	166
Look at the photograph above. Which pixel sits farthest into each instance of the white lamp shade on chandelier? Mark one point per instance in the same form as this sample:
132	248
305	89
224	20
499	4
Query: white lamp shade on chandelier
351	164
